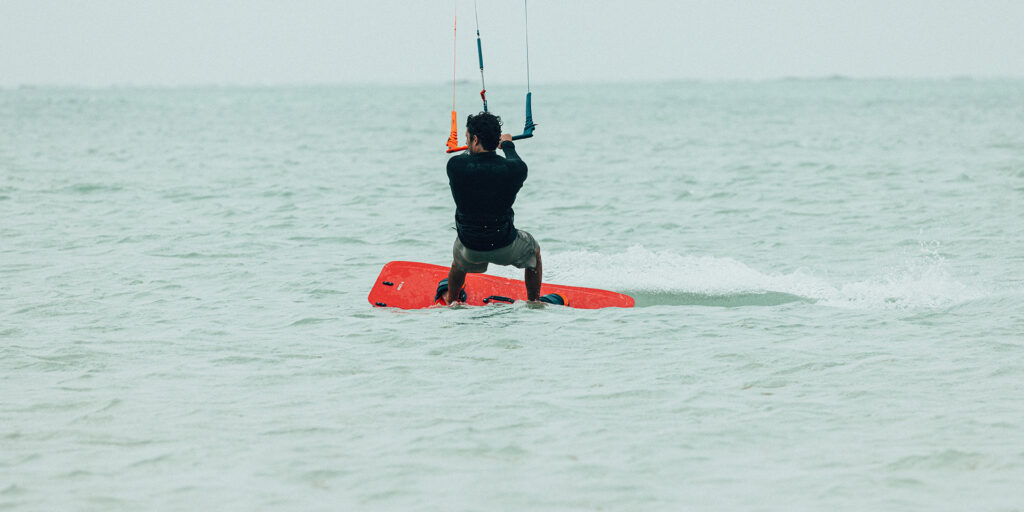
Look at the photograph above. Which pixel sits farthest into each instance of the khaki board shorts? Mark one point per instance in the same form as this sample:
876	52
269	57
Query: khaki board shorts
521	253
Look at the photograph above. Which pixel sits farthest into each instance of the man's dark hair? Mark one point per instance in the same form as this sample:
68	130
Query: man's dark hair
487	127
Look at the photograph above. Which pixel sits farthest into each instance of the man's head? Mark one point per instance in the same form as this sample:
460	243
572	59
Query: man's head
486	127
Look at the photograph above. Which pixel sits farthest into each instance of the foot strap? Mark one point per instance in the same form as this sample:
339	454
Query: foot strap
442	291
554	298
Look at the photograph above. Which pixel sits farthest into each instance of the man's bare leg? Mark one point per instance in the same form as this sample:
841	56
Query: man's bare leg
456	278
532	278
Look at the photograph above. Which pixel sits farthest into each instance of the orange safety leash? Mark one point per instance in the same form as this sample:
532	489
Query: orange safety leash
453	137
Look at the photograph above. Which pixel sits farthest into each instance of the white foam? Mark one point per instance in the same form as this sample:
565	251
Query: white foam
924	281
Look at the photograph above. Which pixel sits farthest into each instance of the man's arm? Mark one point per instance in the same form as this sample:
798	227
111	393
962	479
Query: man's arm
450	167
509	147
456	164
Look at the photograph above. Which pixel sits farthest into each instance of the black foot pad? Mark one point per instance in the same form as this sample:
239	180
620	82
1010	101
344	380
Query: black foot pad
551	298
442	290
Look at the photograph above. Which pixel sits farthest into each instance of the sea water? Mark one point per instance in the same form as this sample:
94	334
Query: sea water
829	278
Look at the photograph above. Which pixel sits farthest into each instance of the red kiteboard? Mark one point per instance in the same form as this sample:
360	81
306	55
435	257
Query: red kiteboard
412	285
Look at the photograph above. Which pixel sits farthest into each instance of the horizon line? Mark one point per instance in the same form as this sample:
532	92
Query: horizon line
371	83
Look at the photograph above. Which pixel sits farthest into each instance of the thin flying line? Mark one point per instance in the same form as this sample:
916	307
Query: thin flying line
526	21
455	40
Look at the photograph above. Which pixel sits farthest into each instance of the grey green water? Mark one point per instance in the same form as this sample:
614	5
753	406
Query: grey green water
829	278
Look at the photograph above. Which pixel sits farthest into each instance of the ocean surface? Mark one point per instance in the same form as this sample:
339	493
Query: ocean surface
829	277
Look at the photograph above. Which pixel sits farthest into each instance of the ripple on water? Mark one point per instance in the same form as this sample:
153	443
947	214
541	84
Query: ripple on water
732	300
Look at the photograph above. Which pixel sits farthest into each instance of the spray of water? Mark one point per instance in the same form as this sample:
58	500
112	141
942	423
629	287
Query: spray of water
666	277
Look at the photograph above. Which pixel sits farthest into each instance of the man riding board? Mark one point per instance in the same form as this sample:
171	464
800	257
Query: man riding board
484	186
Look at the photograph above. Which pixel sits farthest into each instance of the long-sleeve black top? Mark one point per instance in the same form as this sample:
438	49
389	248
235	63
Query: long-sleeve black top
484	186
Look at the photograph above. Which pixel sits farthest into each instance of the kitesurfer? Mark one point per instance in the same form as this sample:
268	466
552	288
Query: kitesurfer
484	186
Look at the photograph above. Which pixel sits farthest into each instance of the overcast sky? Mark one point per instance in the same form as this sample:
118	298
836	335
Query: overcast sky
171	42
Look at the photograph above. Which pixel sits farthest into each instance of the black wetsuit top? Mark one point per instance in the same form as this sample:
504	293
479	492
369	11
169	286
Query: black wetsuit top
484	186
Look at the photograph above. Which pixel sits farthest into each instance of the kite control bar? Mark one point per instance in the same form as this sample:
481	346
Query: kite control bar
453	139
514	137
